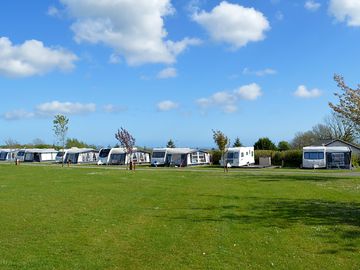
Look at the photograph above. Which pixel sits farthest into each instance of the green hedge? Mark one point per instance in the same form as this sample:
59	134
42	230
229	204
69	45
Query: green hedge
355	160
215	157
289	158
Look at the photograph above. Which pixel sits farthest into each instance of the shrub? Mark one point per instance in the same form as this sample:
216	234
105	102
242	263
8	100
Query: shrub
215	157
289	158
292	158
264	144
355	160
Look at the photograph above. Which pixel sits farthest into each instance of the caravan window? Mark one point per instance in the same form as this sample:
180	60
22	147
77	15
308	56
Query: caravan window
314	155
236	155
60	154
104	153
230	155
194	157
202	157
3	155
21	153
158	154
242	154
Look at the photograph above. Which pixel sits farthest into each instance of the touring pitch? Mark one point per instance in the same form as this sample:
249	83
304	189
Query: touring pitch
88	218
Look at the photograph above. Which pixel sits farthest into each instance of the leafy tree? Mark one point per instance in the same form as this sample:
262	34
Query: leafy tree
72	142
349	102
223	143
283	146
126	141
237	143
264	144
170	144
60	127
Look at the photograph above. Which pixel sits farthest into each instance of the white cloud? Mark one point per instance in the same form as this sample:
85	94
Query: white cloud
233	24
260	73
303	92
346	11
249	92
134	30
50	109
227	100
17	114
312	5
32	58
110	108
167	105
56	107
167	73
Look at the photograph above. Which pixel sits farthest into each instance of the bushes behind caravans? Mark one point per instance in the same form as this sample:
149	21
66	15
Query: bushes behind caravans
355	160
215	157
289	158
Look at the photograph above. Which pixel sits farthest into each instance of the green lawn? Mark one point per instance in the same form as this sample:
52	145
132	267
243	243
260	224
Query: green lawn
86	218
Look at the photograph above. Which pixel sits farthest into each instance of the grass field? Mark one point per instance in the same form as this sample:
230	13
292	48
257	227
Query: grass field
86	218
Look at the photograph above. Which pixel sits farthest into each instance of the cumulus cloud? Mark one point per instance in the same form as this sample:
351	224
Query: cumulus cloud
303	92
227	100
166	105
32	58
249	92
233	24
346	11
312	5
166	73
50	109
259	73
134	30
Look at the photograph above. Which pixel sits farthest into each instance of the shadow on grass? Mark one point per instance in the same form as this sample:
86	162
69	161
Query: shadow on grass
336	223
314	178
286	212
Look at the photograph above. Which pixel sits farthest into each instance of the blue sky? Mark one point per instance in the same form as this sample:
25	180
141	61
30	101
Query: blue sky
173	69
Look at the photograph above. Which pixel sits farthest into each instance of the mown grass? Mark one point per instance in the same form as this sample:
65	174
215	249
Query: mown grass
86	218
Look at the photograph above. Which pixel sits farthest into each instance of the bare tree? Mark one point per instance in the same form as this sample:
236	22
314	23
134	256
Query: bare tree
334	127
349	102
11	143
223	143
127	141
60	128
341	128
303	139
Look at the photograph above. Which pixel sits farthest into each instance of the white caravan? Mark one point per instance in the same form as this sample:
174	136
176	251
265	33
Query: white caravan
239	156
81	155
39	155
179	157
8	154
326	157
118	156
